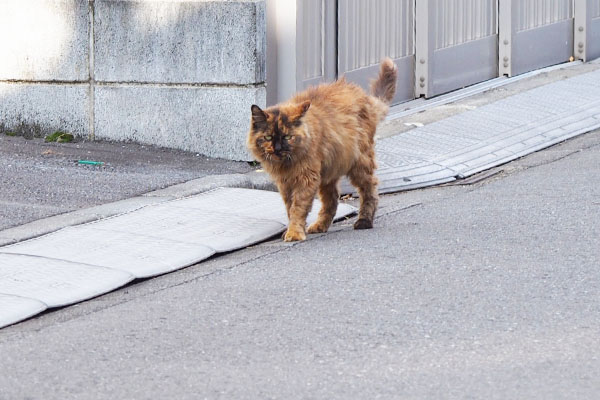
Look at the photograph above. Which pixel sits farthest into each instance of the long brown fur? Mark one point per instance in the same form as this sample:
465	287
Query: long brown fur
308	143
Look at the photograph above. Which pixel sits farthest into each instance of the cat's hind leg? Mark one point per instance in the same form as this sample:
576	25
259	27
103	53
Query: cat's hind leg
362	176
329	194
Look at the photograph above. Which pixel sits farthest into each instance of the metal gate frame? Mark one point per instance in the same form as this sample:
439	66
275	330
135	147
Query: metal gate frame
587	30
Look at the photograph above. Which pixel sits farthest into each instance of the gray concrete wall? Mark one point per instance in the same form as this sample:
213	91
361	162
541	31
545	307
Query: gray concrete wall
179	74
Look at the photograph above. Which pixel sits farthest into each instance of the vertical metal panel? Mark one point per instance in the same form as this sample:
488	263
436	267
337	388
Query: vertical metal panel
315	42
461	48
594	9
372	29
461	21
539	32
312	31
536	13
369	30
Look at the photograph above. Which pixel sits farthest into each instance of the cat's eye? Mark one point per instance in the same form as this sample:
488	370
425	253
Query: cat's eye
268	137
287	137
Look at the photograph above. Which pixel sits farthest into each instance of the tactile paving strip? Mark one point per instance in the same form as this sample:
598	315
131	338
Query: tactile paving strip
468	143
80	262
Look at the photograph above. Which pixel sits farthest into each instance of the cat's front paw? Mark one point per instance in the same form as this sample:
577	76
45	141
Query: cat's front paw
293	236
318	227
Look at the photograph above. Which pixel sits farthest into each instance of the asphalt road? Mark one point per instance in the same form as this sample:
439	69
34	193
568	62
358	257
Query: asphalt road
488	290
39	179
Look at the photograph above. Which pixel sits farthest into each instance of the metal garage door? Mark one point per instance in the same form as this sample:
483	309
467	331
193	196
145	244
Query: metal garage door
369	30
534	34
457	44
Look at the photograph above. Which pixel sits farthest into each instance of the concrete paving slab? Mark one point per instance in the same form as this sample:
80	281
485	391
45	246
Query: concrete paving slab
235	201
78	217
220	231
462	157
83	261
429	141
250	204
16	308
422	104
55	282
140	255
468	143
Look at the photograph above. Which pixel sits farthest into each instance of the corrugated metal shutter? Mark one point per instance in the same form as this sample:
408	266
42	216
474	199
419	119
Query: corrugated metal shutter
369	30
316	42
533	14
458	22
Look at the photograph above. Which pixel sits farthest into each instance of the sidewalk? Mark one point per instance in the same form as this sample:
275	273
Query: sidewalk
40	180
164	230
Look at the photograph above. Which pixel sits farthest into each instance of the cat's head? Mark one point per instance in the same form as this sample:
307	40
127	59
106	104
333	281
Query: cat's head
278	134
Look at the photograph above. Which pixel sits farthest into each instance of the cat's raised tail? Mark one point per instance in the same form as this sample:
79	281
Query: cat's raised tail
384	87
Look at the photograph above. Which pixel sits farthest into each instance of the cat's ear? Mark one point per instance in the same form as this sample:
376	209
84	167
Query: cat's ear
304	108
259	117
300	110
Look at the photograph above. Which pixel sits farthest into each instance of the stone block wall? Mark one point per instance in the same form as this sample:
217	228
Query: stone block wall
179	74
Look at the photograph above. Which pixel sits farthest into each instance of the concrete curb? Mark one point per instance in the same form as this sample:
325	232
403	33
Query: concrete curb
250	180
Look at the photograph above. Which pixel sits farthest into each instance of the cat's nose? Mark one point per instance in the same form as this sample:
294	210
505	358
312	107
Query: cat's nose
277	147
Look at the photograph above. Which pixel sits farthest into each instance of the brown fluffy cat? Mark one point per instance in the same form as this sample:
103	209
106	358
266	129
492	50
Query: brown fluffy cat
308	143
